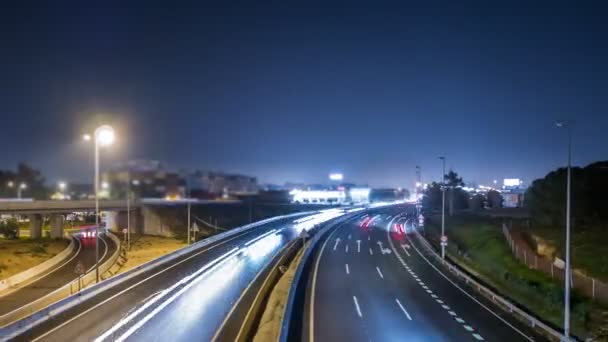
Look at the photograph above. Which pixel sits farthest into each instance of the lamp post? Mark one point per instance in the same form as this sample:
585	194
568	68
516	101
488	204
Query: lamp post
418	189
568	272
62	186
443	243
128	210
20	188
103	136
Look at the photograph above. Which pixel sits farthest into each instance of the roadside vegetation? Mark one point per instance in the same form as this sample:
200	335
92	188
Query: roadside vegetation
478	243
145	248
17	255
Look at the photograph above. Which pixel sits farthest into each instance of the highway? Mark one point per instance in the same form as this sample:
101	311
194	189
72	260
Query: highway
55	278
189	299
372	283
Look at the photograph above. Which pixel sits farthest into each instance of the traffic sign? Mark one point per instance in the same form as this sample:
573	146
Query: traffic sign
195	227
79	268
444	238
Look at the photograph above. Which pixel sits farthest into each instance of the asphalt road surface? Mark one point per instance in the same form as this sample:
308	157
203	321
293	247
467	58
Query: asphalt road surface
185	300
370	283
84	253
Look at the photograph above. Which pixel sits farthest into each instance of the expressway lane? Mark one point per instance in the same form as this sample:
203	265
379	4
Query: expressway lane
57	277
367	287
183	300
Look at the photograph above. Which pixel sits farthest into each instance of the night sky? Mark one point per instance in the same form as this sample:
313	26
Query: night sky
291	92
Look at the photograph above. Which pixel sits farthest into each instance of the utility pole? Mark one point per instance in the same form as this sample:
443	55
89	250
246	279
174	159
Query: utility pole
568	271
418	190
443	237
128	210
188	220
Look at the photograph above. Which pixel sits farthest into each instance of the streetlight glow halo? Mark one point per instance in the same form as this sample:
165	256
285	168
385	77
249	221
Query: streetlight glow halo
104	135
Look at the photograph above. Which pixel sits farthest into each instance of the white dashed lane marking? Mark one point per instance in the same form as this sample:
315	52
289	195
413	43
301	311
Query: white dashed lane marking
426	288
357	306
347	270
403	309
379	272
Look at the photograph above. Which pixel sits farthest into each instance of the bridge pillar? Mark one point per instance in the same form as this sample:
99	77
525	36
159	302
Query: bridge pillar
56	226
35	226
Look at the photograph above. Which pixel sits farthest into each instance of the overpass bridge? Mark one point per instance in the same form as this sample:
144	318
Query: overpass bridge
140	210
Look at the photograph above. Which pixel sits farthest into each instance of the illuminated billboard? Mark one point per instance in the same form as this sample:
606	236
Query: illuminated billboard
511	182
336	176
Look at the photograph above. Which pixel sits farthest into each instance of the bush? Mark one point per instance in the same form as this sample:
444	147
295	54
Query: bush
9	229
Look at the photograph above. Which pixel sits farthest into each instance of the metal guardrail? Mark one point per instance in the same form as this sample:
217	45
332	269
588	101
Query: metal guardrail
496	298
52	310
291	296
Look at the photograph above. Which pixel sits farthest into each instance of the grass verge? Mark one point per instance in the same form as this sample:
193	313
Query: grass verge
18	255
478	242
145	248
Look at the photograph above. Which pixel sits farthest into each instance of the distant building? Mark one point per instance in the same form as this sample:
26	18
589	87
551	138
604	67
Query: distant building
222	184
148	178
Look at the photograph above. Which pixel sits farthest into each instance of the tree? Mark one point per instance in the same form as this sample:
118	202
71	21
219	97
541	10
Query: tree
27	175
452	181
476	202
494	199
9	228
431	198
546	197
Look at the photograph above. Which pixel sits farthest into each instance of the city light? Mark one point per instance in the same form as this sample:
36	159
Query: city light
336	176
86	137
62	186
104	135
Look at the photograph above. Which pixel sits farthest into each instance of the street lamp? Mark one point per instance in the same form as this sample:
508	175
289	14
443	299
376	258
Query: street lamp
568	274
104	136
21	187
443	243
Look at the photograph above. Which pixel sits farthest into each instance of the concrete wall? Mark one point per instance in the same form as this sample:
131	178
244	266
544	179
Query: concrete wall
36	221
120	221
57	221
153	224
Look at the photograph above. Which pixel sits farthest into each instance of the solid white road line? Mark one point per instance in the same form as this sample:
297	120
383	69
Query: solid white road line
347	270
105	252
357	306
379	272
135	285
159	308
186	280
259	238
311	323
470	296
358	246
403	309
